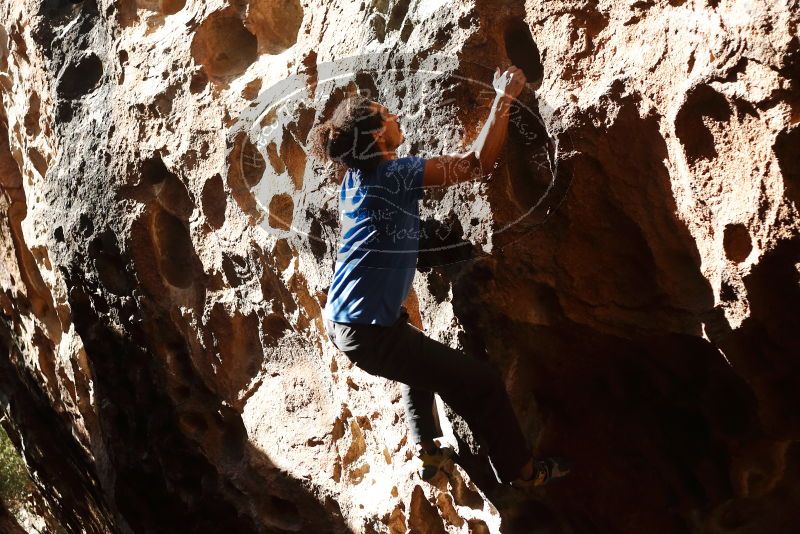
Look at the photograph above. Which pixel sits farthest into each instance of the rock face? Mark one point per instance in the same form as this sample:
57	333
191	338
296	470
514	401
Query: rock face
632	265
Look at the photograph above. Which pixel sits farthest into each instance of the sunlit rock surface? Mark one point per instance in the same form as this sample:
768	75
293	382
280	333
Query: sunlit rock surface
166	243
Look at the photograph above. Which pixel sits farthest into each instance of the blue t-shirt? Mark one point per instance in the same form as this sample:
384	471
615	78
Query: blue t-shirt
377	258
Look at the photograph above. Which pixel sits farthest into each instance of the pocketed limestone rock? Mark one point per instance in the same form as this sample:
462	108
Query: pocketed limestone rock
630	265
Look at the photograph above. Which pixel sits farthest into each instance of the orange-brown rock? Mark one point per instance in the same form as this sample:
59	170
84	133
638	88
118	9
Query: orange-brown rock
632	265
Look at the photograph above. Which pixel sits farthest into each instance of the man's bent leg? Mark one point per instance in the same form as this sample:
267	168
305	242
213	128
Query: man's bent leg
472	387
420	412
361	345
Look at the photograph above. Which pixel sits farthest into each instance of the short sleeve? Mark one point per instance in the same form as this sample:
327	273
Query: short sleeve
405	177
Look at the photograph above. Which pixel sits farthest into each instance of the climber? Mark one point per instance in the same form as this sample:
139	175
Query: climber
375	266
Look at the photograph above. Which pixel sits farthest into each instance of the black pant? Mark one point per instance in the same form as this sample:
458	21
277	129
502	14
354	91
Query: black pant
471	387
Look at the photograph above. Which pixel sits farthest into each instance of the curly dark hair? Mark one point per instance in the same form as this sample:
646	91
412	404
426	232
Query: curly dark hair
346	138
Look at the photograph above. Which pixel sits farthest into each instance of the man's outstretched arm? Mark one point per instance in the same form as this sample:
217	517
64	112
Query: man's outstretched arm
479	160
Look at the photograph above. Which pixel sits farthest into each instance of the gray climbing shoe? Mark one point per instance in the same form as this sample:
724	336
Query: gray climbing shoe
544	471
433	461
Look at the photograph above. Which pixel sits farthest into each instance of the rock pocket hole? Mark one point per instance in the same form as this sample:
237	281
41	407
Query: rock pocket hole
252	163
737	242
236	269
174	197
301	127
281	211
378	25
248	164
80	78
154	171
422	515
193	423
223	46
239	348
110	263
214	201
703	105
32	116
38	161
318	246
251	90
294	158
398	15
274	159
275	23
3	49
275	327
170	7
17	42
246	168
198	82
170	190
175	250
522	50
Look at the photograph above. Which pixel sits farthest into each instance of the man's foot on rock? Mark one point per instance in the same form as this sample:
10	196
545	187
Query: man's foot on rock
433	460
543	472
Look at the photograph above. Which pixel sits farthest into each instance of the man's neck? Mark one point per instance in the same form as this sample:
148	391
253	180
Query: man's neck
385	152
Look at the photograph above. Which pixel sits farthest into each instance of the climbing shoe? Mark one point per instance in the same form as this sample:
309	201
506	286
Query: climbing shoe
543	472
433	460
